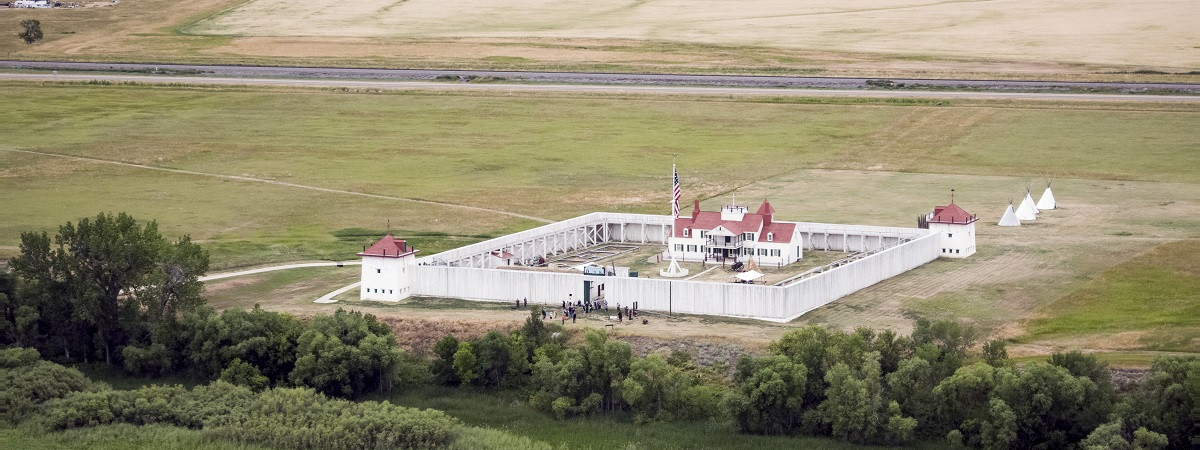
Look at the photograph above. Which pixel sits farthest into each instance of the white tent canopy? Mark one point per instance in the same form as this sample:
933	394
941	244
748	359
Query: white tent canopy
1047	200
749	276
1010	218
1027	210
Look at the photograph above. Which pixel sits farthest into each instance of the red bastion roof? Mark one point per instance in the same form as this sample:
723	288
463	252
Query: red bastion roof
389	247
951	214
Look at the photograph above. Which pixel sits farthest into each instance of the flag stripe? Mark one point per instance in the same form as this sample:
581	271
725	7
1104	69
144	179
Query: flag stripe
677	193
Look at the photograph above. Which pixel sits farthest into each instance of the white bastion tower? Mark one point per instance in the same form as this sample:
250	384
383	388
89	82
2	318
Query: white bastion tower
956	229
386	270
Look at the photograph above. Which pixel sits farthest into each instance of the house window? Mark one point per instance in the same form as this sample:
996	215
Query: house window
949	234
685	232
378	270
956	251
389	291
770	237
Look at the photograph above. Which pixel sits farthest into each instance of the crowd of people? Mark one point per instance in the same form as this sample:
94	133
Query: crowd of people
570	311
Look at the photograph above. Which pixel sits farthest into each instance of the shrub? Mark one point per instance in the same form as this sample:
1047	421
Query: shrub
23	388
346	354
303	418
242	374
263	339
153	360
18	357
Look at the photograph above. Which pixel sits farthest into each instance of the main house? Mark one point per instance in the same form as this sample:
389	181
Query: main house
734	234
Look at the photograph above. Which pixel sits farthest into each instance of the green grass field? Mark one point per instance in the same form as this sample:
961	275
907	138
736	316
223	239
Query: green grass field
1126	173
546	156
1155	295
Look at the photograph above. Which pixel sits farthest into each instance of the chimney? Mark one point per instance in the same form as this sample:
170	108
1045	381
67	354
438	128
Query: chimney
696	209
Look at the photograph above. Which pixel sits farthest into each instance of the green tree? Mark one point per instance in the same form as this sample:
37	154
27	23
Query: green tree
656	390
443	363
769	394
493	356
964	400
911	386
1112	436
465	363
1053	409
1167	401
32	31
346	354
995	353
943	343
240	373
855	408
119	278
584	379
263	339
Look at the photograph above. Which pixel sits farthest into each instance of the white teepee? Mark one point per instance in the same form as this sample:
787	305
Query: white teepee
1010	218
1047	200
1027	210
673	271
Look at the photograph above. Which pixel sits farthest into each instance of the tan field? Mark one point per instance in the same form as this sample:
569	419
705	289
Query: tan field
1008	39
1108	32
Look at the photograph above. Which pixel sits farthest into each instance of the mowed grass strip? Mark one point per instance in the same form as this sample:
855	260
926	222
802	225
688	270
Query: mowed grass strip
1157	293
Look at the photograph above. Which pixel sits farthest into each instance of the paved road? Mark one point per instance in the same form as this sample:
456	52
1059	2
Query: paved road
603	78
218	276
599	88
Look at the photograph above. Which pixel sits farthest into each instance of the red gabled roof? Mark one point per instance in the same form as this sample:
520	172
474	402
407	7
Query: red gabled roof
782	233
765	209
389	247
951	214
708	220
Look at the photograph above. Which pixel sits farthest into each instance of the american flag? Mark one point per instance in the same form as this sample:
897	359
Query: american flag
677	193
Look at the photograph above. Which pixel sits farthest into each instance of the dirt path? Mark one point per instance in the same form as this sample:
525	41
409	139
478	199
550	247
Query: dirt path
603	88
282	183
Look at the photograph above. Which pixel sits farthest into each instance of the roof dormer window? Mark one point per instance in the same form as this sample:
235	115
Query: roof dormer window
770	236
685	232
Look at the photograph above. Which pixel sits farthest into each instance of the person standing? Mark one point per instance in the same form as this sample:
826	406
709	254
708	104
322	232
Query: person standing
543	313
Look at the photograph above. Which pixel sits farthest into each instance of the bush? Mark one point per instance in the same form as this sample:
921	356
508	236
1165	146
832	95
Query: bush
18	357
242	374
169	405
23	388
346	354
263	339
303	418
153	360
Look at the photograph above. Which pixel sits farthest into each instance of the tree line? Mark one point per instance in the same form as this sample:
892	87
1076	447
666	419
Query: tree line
112	290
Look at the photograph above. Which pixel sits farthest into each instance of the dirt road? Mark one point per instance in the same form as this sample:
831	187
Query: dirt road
595	88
